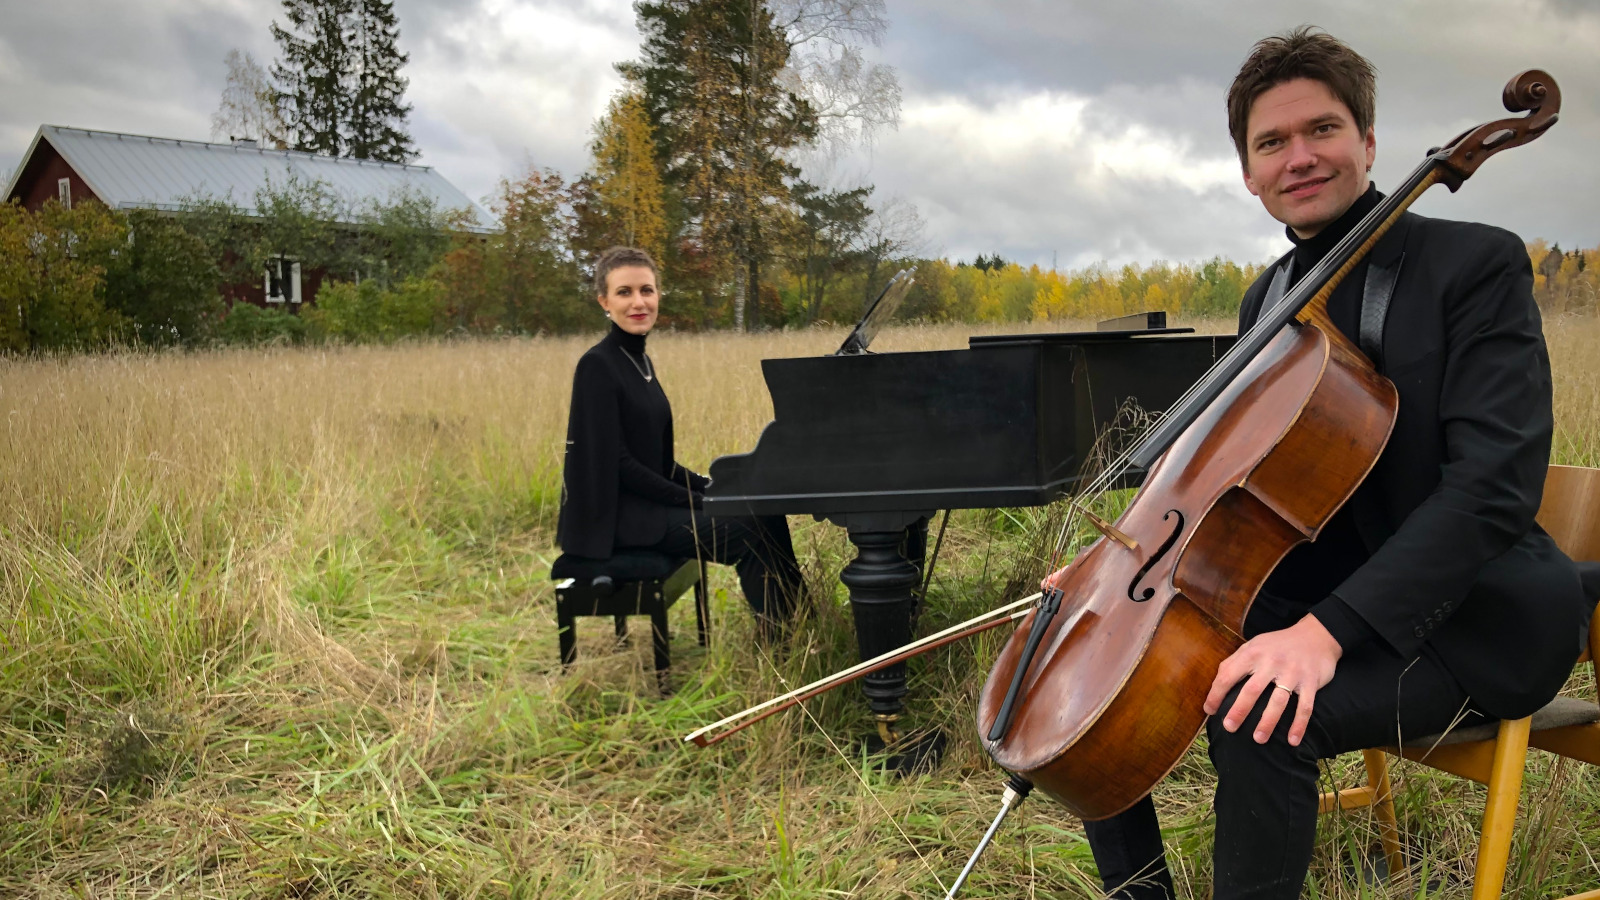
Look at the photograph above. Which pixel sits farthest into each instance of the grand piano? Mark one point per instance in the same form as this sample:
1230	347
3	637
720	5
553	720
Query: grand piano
878	442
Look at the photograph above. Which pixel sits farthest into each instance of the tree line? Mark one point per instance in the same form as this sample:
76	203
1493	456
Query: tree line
707	157
89	277
1565	282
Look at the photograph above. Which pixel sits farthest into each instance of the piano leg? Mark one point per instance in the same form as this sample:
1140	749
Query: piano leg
882	582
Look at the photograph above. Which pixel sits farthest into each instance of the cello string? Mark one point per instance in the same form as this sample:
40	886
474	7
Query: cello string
1322	278
1301	293
1096	489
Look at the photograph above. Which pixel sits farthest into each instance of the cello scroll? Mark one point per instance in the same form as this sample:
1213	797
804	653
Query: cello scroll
1532	91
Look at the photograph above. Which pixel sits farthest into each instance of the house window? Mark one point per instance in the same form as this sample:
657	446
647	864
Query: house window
64	192
282	283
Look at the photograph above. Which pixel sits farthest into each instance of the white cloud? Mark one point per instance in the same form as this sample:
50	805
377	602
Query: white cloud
506	84
1047	175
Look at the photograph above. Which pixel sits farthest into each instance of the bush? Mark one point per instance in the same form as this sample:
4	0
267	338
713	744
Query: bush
368	312
247	324
52	275
164	283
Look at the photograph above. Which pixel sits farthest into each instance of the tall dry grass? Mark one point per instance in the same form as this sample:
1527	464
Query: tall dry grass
277	624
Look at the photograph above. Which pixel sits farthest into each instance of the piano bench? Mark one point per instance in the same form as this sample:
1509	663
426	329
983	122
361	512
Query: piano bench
630	583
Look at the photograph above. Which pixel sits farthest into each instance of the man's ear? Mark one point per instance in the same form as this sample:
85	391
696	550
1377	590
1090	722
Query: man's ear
1249	185
1372	147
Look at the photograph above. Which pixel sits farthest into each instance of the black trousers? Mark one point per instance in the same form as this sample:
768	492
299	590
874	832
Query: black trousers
758	548
1266	799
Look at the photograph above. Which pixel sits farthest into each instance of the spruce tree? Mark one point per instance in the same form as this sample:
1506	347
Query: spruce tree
377	124
338	79
725	119
312	76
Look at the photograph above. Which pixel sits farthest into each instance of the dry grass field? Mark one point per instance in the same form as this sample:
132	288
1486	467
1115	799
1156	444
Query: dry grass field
278	624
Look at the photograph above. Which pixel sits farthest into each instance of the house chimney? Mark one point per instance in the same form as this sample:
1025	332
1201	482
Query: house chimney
244	142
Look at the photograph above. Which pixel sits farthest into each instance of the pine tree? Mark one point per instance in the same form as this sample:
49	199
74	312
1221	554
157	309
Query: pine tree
828	235
312	76
627	179
377	124
338	82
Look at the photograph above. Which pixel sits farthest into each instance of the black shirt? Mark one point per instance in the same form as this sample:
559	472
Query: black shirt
619	475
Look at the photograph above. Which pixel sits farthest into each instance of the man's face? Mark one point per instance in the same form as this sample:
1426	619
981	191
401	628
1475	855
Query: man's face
1304	157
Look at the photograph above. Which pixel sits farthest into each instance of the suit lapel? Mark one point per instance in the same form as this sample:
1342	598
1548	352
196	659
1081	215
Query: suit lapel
1383	273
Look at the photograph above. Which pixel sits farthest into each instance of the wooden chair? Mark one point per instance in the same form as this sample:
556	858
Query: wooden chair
1494	754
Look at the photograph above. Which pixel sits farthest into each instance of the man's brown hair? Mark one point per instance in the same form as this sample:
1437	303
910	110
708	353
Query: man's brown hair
616	258
1306	52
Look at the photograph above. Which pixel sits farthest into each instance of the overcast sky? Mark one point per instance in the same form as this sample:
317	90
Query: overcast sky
1081	131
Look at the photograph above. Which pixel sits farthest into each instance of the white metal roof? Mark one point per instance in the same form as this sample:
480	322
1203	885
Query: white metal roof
128	171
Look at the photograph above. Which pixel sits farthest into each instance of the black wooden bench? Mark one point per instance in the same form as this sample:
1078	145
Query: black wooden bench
630	583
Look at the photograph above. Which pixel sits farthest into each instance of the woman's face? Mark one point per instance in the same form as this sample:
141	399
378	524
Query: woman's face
631	299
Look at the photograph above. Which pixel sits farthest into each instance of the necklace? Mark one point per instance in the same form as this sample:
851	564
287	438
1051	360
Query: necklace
649	375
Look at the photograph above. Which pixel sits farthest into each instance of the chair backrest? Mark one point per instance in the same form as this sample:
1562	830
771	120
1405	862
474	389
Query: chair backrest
1570	511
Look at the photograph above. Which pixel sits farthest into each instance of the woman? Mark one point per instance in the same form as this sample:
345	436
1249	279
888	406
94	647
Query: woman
621	486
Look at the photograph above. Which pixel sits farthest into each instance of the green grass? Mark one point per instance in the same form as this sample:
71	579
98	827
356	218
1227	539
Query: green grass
303	678
160	742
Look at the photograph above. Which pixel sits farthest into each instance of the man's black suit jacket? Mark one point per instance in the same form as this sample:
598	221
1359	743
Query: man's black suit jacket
1457	561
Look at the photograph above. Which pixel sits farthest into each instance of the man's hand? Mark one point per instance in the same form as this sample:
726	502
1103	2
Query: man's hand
1299	659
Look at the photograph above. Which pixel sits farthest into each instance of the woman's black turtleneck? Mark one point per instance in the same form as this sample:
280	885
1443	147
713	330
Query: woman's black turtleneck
1306	579
619	476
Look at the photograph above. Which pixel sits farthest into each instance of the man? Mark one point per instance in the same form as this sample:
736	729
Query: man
1432	598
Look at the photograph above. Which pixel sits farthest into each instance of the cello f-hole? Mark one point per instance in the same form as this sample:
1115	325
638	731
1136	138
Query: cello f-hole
1133	586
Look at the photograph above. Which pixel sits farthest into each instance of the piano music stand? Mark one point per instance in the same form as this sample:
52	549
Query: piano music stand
879	313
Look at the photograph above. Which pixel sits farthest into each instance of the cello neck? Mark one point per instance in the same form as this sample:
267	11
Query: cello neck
1309	296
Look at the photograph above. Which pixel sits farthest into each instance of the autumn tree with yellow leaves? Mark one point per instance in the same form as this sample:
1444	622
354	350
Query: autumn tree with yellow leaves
626	177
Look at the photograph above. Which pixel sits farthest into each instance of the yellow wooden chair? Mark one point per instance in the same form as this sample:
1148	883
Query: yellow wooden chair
1494	754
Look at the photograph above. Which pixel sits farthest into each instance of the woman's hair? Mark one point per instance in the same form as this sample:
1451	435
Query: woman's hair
616	258
1305	52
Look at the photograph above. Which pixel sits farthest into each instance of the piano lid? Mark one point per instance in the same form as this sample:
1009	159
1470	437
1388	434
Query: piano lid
1006	422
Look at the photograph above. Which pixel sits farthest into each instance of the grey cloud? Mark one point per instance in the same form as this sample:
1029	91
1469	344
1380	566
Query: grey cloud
1032	207
492	101
151	68
1165	66
495	91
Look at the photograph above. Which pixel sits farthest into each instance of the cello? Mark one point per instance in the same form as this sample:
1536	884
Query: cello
1098	693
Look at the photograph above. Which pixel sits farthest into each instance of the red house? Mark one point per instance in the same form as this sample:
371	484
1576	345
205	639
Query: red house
128	171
